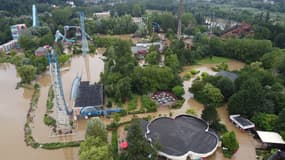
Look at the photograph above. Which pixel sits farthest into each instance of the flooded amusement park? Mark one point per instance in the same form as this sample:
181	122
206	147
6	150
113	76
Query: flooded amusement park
15	102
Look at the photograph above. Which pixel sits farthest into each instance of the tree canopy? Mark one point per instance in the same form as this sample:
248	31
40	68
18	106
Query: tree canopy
139	148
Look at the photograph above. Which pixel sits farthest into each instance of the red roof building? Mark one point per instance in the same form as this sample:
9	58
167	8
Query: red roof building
237	31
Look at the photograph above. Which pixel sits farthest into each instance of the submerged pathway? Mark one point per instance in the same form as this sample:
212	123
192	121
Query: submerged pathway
246	141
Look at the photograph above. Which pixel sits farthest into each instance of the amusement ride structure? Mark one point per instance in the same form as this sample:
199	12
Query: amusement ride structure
63	111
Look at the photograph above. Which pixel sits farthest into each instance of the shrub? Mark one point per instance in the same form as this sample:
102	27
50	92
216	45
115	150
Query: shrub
230	144
219	127
194	72
148	104
58	145
191	112
123	113
114	144
187	76
132	105
178	104
109	104
49	121
178	91
205	75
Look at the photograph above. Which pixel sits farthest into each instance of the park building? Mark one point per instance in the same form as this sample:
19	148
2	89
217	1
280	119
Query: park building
242	123
181	137
85	96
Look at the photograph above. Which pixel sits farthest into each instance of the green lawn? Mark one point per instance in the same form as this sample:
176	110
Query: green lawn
213	60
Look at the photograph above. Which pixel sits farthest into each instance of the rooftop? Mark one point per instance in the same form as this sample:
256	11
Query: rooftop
270	137
242	122
183	136
89	95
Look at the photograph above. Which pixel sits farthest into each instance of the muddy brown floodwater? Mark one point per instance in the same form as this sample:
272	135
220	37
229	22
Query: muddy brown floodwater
246	141
14	106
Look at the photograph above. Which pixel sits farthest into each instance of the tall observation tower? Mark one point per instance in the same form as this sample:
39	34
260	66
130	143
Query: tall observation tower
35	16
179	28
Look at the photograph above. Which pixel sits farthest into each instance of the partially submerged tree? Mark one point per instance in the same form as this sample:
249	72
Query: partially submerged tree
210	114
95	149
27	73
96	128
230	144
139	148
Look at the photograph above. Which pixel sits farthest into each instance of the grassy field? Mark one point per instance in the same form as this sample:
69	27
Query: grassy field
213	60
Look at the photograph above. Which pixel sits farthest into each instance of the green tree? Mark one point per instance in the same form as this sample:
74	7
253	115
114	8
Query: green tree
230	142
173	62
272	59
280	123
178	91
96	128
250	99
27	42
27	73
152	58
264	121
137	10
152	78
116	117
95	149
212	95
123	89
210	114
62	15
226	86
139	148
280	40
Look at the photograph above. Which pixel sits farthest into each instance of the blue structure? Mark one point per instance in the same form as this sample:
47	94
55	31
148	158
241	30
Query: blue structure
59	36
75	88
57	82
94	112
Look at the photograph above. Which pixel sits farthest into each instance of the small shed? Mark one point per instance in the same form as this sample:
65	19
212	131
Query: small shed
242	122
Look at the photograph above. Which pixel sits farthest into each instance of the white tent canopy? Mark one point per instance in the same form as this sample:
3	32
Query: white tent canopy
270	137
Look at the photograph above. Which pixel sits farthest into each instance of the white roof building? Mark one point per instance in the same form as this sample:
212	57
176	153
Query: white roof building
270	137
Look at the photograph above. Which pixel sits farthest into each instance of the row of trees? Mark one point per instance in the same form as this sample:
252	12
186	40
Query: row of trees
114	25
246	50
134	9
